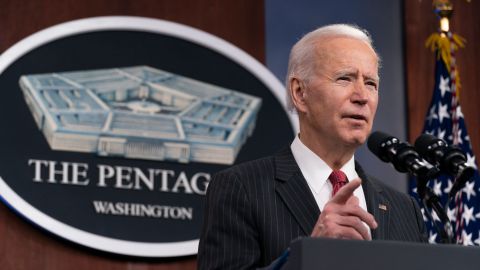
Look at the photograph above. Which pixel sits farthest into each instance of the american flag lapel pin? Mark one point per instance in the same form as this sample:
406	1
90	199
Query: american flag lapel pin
382	206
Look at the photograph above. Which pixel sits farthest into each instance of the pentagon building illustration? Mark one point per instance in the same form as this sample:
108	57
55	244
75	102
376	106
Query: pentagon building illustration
140	113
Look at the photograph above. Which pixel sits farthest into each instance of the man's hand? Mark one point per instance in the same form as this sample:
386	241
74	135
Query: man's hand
342	216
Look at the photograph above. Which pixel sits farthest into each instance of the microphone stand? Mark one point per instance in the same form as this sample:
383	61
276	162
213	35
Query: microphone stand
432	201
424	172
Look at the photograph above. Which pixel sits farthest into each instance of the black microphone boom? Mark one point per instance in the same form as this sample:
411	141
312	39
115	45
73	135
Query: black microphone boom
403	157
451	159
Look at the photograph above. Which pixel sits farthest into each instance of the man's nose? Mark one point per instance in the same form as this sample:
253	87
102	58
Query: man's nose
360	93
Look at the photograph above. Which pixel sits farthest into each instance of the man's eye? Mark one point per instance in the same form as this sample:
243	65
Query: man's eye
372	85
344	78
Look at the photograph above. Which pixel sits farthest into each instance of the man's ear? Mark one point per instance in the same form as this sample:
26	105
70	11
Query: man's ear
298	93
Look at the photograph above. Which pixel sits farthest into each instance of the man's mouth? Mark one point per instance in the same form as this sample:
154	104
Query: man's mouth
356	117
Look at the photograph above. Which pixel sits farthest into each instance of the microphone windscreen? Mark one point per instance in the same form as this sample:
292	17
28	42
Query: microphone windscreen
375	141
422	143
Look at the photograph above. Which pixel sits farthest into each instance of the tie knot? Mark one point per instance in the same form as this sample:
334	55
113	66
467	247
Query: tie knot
338	176
338	180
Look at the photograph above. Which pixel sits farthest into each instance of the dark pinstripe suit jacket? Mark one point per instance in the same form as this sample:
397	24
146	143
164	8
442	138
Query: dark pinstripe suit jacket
254	210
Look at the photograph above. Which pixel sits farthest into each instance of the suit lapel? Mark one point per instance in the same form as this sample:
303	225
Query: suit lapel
377	204
294	191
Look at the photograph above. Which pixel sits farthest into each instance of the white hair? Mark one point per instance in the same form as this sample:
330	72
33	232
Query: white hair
301	60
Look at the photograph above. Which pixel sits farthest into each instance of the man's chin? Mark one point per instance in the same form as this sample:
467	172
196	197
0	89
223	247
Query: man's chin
355	136
356	140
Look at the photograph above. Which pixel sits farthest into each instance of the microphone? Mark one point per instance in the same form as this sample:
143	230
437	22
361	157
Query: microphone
450	159
403	157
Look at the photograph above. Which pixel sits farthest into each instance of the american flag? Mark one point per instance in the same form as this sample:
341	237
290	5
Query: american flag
445	120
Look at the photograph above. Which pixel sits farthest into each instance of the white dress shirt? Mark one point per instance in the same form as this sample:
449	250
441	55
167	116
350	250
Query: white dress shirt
316	172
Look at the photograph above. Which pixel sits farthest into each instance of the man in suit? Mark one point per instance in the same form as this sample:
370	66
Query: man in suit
254	210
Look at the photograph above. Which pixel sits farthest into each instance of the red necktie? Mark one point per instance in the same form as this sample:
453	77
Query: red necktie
338	180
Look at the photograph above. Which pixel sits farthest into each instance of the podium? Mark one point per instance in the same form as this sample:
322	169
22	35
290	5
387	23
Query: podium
318	253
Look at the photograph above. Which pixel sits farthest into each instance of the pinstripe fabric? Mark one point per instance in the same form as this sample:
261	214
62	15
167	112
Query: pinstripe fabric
397	214
254	210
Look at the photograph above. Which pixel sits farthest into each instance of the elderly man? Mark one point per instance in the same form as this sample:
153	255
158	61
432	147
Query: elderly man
254	210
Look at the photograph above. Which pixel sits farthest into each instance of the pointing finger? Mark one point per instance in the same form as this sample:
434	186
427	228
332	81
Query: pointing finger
346	191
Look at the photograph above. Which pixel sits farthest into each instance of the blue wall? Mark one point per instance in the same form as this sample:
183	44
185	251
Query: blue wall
289	20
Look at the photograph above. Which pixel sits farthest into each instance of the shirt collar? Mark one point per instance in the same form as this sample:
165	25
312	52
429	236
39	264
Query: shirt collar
314	169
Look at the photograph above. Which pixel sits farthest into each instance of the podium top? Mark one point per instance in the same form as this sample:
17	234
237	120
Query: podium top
318	253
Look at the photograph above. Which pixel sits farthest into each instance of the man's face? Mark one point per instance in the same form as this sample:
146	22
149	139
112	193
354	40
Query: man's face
341	96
